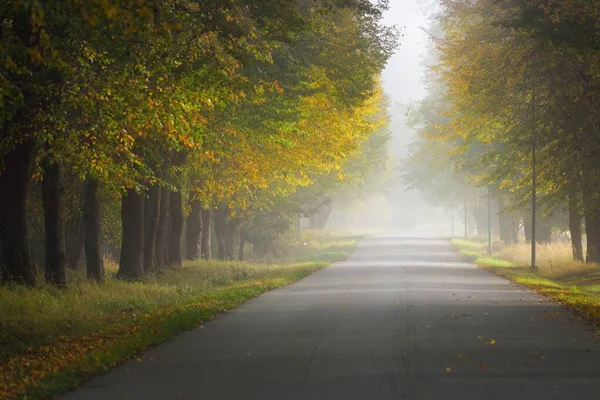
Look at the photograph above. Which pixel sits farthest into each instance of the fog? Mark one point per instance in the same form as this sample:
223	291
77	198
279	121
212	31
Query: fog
398	207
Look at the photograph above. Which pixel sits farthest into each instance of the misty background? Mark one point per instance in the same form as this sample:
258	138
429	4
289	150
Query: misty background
395	206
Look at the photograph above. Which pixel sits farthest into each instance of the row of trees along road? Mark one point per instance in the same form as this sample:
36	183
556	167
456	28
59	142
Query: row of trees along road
508	77
126	125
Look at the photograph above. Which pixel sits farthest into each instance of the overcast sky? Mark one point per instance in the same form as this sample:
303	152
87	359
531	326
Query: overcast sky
402	77
403	74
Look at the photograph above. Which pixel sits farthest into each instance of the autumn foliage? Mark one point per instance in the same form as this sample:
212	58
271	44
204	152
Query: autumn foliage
190	114
513	85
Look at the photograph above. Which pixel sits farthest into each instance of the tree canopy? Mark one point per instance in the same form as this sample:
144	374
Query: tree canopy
179	106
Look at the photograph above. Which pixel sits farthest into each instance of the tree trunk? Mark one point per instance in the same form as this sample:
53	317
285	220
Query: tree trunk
205	250
507	227
54	264
151	222
14	185
193	231
323	216
592	219
242	245
220	220
592	227
131	265
527	226
313	221
74	239
481	219
575	223
230	233
91	217
544	232
163	229
176	229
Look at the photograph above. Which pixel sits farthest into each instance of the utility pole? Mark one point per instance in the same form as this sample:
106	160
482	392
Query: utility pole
533	189
466	219
489	221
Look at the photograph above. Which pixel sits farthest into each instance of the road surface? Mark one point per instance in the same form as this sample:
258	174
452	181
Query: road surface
403	318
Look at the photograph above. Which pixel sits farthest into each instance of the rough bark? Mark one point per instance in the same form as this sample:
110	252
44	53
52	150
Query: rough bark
575	218
508	228
175	229
151	222
54	265
14	185
230	233
74	239
592	219
131	264
91	217
163	229
592	227
205	245
220	221
193	231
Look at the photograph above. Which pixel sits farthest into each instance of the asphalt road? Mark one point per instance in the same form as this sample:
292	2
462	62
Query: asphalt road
403	318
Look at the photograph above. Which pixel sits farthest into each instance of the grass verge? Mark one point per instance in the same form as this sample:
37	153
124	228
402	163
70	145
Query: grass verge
572	284
52	340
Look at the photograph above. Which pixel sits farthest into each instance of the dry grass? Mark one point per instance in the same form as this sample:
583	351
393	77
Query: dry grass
554	260
31	317
51	339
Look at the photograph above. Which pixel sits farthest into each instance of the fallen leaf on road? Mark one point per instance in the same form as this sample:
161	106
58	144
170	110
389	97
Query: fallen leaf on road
448	369
492	342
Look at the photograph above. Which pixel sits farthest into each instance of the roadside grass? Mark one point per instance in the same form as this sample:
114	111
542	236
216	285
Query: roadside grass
319	247
574	284
53	339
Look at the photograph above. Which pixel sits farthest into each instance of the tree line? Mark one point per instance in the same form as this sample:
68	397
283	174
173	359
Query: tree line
511	80
134	126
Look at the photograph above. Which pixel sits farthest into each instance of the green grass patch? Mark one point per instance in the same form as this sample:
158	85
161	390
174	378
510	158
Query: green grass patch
583	299
492	262
52	339
593	288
